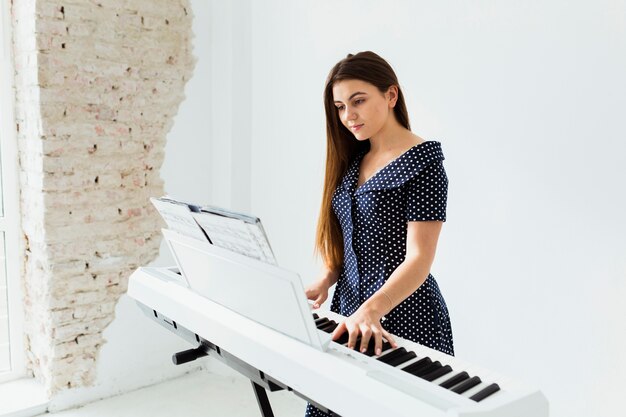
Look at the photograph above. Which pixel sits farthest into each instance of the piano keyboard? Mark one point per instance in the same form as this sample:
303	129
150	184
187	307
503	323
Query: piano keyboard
436	367
405	381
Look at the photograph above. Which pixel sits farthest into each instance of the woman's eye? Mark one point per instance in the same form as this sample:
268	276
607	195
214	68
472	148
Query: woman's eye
358	101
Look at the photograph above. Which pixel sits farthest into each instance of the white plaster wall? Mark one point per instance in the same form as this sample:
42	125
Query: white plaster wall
528	100
138	351
230	104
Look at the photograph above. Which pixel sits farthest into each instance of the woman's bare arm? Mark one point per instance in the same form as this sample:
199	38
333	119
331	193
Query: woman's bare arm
421	246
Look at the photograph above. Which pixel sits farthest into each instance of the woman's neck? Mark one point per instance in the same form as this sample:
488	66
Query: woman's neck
393	140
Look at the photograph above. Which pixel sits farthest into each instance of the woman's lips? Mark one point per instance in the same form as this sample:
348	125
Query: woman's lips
356	128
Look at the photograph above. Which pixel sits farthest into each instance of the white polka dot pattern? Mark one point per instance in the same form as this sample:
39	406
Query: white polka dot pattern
373	219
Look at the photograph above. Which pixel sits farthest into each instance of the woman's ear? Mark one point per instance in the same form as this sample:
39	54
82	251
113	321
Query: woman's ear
392	94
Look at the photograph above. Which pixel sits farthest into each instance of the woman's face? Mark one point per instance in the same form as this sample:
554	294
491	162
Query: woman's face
362	109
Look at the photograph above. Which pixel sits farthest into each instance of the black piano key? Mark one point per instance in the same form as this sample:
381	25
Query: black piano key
428	369
321	326
464	386
372	346
343	339
357	343
485	392
416	366
329	327
315	316
460	377
321	321
385	347
437	373
402	359
392	355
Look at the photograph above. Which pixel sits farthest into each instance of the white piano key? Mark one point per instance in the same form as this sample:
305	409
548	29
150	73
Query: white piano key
445	377
467	394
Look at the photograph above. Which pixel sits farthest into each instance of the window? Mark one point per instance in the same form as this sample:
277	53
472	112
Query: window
11	343
5	352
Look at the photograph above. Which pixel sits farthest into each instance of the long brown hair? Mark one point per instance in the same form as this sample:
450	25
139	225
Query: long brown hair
342	146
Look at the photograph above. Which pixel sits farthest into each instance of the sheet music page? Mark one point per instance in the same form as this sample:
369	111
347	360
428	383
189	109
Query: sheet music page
178	218
258	234
235	235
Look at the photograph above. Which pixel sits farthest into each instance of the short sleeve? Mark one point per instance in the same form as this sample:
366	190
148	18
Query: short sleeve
427	194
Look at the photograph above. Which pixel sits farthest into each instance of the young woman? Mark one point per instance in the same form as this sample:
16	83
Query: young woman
383	206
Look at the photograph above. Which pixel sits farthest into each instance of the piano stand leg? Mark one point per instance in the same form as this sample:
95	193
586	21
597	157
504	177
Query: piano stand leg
261	398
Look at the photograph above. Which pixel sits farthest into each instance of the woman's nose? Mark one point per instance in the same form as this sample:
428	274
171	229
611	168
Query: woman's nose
350	114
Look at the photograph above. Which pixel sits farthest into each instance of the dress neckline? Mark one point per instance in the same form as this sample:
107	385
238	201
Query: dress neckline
362	154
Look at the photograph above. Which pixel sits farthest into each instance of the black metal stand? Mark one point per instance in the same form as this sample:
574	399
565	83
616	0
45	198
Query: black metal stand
261	398
261	382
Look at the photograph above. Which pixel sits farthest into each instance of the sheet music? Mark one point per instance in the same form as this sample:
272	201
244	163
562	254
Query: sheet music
236	235
178	217
259	236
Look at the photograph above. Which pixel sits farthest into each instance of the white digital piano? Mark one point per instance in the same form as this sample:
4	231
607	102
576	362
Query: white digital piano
255	318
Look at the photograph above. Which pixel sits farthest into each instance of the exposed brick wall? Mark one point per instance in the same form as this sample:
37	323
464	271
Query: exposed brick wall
97	85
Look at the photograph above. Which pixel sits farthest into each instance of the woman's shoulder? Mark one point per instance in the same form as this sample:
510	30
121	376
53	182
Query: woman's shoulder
430	148
419	156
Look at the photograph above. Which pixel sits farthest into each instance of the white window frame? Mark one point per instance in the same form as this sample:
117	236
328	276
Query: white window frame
10	223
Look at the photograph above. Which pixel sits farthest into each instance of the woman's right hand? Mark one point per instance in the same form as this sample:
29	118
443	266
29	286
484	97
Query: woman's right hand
318	292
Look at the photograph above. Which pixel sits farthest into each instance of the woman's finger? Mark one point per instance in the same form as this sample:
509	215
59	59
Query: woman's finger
353	332
378	341
338	331
389	338
311	294
366	334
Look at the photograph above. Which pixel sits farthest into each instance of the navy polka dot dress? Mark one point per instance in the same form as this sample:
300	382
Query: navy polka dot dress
373	219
